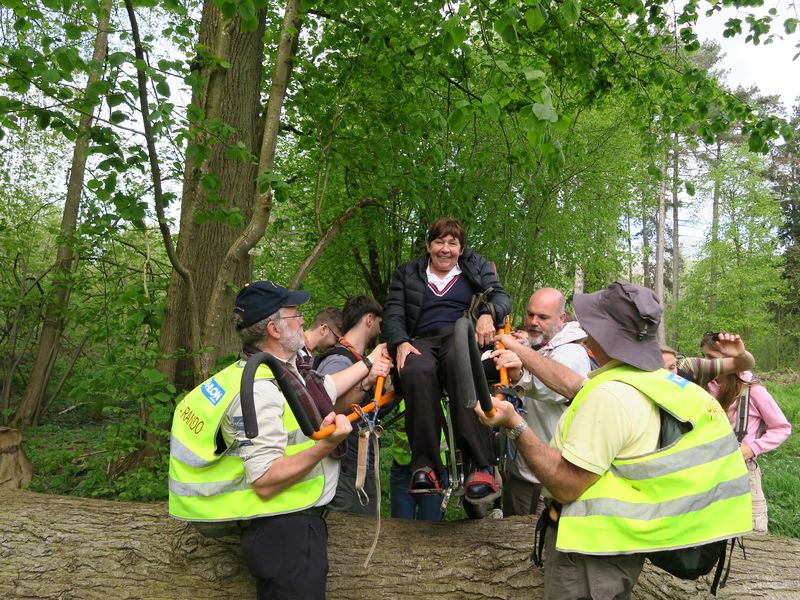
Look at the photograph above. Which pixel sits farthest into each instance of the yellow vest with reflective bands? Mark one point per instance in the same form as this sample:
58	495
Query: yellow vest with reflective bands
694	491
209	484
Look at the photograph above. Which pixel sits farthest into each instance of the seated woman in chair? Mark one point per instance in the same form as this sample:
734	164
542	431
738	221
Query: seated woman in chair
426	297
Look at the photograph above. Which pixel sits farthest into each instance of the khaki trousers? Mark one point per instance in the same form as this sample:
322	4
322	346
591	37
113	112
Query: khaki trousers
759	501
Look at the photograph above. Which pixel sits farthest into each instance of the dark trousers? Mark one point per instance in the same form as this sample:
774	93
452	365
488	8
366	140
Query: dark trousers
288	556
422	380
520	497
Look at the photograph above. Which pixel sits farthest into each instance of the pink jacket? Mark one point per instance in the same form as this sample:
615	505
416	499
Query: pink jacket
767	426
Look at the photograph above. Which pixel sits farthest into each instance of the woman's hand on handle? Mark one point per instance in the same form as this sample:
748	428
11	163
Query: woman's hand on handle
484	330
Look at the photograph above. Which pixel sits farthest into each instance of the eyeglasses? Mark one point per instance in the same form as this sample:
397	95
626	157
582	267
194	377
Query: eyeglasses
299	315
333	331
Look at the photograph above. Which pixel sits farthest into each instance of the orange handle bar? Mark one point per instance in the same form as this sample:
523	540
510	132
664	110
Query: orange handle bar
352	417
503	370
504	381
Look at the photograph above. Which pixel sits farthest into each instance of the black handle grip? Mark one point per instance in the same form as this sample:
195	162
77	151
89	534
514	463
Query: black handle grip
248	402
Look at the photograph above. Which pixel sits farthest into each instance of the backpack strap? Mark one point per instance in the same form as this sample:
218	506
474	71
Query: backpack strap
743	413
720	565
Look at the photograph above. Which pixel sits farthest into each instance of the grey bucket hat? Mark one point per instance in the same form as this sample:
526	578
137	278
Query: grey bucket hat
623	319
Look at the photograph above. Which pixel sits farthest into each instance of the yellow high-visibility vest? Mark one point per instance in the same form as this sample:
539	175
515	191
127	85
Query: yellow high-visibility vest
694	491
207	483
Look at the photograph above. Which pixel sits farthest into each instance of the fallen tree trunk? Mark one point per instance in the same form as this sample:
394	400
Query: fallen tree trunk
70	548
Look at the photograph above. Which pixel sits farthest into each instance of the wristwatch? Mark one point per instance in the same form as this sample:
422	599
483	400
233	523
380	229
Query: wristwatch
367	362
513	434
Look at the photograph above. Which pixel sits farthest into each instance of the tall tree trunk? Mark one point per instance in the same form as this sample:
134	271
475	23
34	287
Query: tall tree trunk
577	286
30	405
237	256
66	547
712	289
232	96
646	267
676	240
662	217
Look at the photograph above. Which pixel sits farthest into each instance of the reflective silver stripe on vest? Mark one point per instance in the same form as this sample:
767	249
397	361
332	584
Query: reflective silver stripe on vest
609	507
293	435
678	461
178	450
215	488
207	488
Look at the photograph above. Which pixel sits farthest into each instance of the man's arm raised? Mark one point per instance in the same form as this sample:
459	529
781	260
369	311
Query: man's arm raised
554	375
736	358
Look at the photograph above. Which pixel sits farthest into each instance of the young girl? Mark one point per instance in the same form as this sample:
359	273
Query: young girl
766	429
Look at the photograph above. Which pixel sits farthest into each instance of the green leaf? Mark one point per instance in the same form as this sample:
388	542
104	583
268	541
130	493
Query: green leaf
265	181
535	17
571	10
153	375
162	87
654	172
506	26
281	191
689	188
194	113
42	119
211	182
67	58
544	113
198	153
118	117
532	74
73	32
51	76
458	118
115	99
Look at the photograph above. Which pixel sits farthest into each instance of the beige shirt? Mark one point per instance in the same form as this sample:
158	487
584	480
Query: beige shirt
262	451
615	420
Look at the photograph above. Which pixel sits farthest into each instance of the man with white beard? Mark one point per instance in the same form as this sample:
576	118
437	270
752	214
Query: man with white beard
275	486
552	336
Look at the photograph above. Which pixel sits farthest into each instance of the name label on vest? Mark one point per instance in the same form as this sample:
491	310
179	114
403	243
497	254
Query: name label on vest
213	391
678	380
194	422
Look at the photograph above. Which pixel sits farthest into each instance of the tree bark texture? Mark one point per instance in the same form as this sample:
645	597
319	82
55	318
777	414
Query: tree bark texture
231	95
16	470
75	548
238	252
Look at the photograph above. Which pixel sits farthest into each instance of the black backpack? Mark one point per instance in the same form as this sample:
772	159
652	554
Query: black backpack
695	561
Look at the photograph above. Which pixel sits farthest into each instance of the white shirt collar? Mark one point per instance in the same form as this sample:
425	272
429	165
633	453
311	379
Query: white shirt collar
440	282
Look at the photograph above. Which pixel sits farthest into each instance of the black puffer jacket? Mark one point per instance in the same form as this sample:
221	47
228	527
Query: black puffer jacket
407	293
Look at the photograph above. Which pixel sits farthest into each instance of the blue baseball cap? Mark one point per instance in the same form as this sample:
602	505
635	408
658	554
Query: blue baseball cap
258	300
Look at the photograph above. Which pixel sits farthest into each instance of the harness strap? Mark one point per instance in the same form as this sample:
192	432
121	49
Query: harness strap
361	465
545	520
376	434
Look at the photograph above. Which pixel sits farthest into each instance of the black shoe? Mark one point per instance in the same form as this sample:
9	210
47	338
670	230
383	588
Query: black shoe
423	481
481	486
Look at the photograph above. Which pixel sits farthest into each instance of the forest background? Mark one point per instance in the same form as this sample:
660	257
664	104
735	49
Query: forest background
158	155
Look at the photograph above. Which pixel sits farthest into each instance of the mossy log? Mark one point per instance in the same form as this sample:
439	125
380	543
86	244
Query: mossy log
71	548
